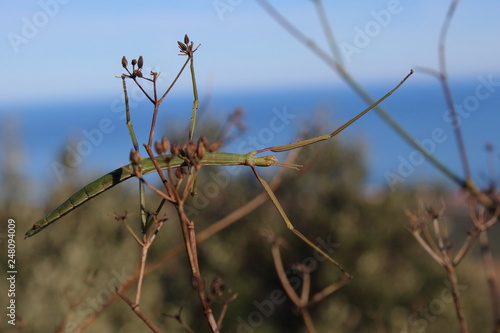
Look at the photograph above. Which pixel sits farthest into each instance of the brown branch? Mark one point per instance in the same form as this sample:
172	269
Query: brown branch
280	270
442	254
138	312
189	235
447	90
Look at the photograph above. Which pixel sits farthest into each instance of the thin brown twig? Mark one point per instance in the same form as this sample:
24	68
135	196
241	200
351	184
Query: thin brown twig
443	75
488	262
179	319
491	278
300	302
138	312
280	270
319	296
328	31
142	265
441	255
157	102
189	235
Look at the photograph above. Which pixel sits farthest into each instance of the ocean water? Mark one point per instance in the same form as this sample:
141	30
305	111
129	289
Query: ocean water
40	133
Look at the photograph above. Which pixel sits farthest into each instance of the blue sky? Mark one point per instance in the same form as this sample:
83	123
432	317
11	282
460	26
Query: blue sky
76	46
56	53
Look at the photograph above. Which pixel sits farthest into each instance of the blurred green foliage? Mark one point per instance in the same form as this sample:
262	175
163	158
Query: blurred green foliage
69	271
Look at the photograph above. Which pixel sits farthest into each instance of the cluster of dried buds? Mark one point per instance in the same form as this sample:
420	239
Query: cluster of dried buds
191	153
135	160
136	72
220	292
418	221
186	47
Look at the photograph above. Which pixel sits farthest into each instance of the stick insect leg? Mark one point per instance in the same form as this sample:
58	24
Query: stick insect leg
290	226
338	130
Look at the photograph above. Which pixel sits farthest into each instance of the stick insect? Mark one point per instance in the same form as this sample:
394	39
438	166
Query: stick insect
147	165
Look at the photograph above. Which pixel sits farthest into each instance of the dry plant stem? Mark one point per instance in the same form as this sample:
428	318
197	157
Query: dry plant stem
222	314
442	256
170	194
430	240
491	278
145	244
306	287
465	248
304	298
480	226
306	316
441	243
148	240
188	233
489	265
329	290
138	312
179	319
300	302
428	249
142	265
450	269
328	31
280	270
447	91
442	76
189	236
157	102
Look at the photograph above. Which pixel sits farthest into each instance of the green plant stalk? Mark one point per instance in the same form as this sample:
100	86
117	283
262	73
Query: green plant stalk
127	115
195	101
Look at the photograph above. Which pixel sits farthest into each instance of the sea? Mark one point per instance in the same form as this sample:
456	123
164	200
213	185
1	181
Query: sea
93	134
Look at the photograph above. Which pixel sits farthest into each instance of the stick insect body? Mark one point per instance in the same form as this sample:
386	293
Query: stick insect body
119	175
147	165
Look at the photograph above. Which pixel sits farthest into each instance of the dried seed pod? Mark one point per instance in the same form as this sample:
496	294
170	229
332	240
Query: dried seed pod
137	73
191	149
174	149
134	62
165	144
217	286
180	173
214	146
182	151
182	46
202	147
135	157
159	148
204	141
124	62
202	150
186	39
140	62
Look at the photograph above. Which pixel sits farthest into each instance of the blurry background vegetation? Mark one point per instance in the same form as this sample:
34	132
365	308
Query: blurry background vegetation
71	269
